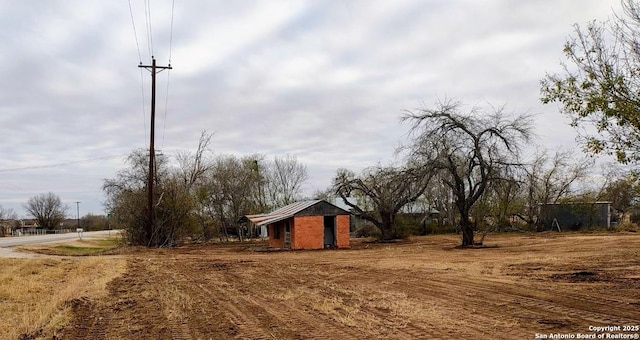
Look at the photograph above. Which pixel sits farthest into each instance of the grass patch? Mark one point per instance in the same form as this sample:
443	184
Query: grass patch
86	247
34	293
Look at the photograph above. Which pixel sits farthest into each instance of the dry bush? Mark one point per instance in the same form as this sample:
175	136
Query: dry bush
627	226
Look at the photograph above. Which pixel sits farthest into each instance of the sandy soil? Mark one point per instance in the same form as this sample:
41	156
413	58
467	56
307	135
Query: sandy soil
419	289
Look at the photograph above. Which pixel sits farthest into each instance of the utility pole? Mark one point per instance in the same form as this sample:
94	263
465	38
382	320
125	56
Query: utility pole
154	69
78	211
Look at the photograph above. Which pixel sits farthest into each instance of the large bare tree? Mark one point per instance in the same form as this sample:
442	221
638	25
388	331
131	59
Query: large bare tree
47	209
380	193
471	149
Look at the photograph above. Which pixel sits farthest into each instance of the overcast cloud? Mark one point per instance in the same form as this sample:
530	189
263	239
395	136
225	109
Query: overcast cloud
323	80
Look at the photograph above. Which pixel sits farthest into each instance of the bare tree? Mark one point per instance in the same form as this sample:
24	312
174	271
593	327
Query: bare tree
230	189
548	179
472	149
47	209
327	194
192	167
284	179
501	201
127	200
381	192
7	214
623	192
440	198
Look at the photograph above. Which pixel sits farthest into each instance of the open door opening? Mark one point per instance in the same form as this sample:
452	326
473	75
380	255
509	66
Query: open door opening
287	235
329	231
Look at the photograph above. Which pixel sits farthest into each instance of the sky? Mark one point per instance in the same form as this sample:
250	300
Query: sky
326	81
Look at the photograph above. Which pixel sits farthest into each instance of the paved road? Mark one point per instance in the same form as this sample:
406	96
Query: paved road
11	241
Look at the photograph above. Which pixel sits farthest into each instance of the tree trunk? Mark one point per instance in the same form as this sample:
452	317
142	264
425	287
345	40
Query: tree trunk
467	230
387	227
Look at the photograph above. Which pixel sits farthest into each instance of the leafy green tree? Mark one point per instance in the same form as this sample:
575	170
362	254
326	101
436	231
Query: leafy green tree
599	88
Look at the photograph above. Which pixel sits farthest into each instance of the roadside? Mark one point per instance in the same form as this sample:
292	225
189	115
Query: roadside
10	252
8	245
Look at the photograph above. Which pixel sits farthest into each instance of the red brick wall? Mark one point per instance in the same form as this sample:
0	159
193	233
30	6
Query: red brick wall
342	231
276	243
308	232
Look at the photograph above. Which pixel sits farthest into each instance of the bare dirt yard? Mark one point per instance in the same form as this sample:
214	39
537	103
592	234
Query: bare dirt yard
522	287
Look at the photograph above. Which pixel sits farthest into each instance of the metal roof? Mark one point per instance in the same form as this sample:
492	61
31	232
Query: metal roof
282	213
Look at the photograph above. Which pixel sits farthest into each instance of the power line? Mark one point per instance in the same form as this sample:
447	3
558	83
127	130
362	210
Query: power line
147	13
144	108
166	107
173	5
166	103
53	165
135	33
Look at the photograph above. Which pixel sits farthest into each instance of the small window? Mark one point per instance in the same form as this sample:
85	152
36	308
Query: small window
276	231
287	227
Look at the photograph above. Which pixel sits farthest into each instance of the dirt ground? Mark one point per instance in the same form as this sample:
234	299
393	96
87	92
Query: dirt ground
424	288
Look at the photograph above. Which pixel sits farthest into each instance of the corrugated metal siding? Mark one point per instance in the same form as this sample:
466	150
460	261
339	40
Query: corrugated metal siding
281	214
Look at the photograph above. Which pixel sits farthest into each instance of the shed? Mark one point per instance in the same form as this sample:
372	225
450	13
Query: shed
574	216
315	224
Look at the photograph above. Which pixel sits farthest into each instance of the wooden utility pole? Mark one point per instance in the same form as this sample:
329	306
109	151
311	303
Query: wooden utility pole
78	211
154	70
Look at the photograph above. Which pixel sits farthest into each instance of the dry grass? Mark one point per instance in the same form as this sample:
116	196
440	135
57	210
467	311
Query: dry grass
85	247
34	292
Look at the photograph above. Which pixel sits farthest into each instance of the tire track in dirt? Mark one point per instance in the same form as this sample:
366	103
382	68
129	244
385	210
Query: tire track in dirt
574	305
444	298
234	317
450	295
179	329
309	322
544	304
100	326
317	325
242	322
94	319
274	316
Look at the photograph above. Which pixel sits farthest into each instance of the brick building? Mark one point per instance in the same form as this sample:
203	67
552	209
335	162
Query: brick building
313	224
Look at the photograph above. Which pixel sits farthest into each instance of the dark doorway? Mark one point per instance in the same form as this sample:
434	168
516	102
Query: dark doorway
329	231
287	235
